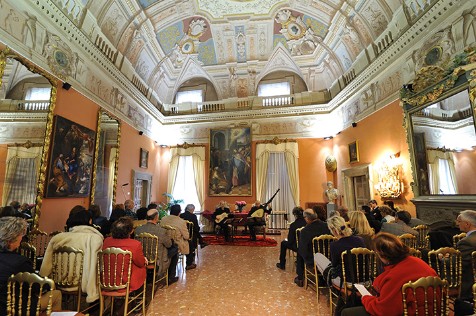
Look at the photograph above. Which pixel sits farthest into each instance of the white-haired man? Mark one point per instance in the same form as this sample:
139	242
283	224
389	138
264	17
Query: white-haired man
467	223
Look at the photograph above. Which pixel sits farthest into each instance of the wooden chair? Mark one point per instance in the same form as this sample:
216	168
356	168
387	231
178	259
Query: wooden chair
320	244
423	239
359	265
67	272
409	240
23	291
150	247
446	262
114	274
457	238
28	250
415	253
431	289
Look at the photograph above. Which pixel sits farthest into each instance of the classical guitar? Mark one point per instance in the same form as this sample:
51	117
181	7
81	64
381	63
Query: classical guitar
221	217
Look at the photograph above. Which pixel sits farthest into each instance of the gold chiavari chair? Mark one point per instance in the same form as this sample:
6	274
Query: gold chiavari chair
473	260
457	238
474	298
320	244
150	247
28	250
434	292
114	274
181	257
446	262
423	239
409	240
24	290
298	234
40	240
415	253
67	272
359	265
191	234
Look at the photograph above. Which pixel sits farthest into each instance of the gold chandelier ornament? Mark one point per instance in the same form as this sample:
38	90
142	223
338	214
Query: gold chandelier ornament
389	183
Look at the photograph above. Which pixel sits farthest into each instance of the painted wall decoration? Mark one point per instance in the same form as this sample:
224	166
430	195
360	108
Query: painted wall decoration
230	162
71	161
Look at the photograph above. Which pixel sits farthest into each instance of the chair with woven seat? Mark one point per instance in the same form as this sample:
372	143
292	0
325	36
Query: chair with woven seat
447	262
28	250
23	291
457	238
359	265
114	277
409	240
67	272
423	241
320	244
150	247
432	290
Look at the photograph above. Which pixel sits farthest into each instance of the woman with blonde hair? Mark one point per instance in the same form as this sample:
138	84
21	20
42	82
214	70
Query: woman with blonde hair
360	226
345	241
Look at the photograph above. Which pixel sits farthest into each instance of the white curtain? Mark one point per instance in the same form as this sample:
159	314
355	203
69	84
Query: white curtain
21	174
278	178
198	158
442	172
110	180
289	165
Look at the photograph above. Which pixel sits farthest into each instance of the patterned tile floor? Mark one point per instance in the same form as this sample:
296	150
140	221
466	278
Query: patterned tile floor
233	280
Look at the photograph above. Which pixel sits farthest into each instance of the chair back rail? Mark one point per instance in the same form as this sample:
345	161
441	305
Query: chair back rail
322	244
447	262
423	239
28	250
435	296
409	240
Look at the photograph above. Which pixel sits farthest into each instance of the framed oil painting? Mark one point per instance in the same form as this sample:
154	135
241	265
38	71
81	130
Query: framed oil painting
421	163
230	162
71	161
144	158
353	152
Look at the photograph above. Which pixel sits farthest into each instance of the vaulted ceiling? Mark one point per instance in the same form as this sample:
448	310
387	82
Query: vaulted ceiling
238	42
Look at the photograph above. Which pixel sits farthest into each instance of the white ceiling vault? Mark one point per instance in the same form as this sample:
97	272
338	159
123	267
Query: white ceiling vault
131	56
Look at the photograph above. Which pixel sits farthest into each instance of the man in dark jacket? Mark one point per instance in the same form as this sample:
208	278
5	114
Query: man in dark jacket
196	238
290	242
314	228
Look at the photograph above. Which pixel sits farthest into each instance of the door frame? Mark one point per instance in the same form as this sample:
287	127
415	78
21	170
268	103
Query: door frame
348	174
143	176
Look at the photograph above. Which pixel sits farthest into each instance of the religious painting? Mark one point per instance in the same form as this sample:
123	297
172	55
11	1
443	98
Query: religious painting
353	152
421	163
230	162
144	158
71	161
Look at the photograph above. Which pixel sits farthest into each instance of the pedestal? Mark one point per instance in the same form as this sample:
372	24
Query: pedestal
331	207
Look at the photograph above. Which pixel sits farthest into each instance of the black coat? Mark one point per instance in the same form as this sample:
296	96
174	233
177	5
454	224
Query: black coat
196	229
298	223
311	230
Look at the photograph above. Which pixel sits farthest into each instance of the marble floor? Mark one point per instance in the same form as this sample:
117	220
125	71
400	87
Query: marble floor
234	280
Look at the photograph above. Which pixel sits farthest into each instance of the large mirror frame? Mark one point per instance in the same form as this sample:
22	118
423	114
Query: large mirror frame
99	167
431	85
4	55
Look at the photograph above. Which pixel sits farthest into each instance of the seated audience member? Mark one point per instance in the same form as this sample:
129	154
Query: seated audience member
188	215
374	223
25	209
12	230
141	217
165	241
181	236
83	236
9	211
121	231
117	212
400	225
255	218
320	211
314	228
375	210
343	212
290	242
346	240
466	221
360	226
415	222
99	220
392	206
220	216
387	214
129	208
399	268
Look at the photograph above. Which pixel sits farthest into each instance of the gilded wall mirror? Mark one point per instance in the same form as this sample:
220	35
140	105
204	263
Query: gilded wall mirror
441	131
27	100
106	158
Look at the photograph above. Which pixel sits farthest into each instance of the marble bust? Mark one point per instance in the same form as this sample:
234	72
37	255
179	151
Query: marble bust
331	192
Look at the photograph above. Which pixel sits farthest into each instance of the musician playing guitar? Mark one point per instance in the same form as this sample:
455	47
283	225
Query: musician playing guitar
220	216
256	215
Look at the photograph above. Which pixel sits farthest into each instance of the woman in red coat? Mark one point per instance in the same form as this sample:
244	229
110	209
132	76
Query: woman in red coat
399	268
121	231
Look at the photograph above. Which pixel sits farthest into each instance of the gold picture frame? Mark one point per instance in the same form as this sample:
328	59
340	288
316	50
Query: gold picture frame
354	152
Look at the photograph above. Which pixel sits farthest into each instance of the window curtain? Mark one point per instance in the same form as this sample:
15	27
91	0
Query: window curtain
198	158
110	180
291	155
21	174
442	172
278	177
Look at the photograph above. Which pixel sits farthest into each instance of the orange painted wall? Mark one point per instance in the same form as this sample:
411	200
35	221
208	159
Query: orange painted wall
3	167
465	164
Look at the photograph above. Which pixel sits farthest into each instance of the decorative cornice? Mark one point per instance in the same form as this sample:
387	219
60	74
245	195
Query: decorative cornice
276	141
27	144
186	145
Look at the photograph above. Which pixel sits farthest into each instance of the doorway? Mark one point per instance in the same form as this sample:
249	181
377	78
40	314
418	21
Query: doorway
141	188
357	186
